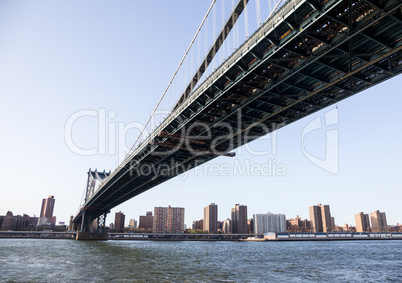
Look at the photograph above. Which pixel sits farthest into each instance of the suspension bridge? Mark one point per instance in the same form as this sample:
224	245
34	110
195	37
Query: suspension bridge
306	56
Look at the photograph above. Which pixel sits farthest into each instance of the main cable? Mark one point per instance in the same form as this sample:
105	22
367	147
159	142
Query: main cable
171	80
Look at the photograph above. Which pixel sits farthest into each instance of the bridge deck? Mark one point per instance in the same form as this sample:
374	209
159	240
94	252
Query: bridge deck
309	55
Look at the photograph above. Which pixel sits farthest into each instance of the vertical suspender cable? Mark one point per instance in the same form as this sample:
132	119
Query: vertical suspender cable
245	18
276	6
258	8
233	29
198	55
269	7
223	29
228	39
214	34
185	71
206	48
237	35
191	67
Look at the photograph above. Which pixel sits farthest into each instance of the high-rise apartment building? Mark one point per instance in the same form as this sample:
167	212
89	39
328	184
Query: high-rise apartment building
239	219
160	220
211	219
175	220
297	225
198	224
326	218
226	226
250	226
378	221
320	217
47	207
362	222
168	220
119	219
46	211
269	222
220	225
384	221
315	218
132	223
146	221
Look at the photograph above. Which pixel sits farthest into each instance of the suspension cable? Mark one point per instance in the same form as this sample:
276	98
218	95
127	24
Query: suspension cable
171	80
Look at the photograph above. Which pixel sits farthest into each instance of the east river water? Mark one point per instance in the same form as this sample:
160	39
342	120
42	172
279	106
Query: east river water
46	260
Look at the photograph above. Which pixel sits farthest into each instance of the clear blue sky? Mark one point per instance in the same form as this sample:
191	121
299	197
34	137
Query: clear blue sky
60	57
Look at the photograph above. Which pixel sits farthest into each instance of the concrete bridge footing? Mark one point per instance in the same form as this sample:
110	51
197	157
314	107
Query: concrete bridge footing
91	236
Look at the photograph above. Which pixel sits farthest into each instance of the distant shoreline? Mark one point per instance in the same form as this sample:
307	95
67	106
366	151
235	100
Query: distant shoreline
279	237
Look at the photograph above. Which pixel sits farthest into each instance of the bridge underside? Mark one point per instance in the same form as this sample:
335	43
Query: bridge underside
311	55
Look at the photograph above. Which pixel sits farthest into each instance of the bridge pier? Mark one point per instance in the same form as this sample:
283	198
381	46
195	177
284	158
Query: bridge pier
92	227
81	236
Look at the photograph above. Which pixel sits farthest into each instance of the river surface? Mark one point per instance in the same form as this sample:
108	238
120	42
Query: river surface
46	260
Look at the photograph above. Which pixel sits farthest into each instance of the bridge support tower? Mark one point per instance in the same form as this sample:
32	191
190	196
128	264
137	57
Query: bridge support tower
92	227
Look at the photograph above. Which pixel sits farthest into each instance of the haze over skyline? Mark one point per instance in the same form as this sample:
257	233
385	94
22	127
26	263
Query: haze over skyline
115	59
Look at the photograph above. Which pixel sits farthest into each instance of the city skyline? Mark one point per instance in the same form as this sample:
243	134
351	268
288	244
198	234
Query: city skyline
171	220
88	64
276	221
361	222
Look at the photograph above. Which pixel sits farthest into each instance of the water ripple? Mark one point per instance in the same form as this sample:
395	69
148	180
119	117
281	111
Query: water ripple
40	260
